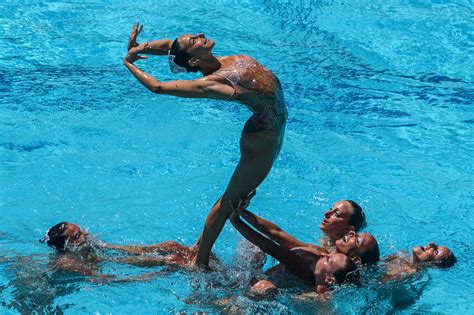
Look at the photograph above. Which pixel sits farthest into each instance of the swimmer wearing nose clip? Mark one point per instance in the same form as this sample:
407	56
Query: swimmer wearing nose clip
80	253
400	266
238	78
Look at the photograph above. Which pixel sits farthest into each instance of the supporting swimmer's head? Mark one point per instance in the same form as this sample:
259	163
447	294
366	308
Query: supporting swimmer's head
343	217
439	256
187	50
65	236
362	248
334	269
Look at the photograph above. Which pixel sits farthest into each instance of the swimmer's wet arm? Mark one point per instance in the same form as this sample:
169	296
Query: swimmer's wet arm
157	47
140	261
74	265
132	250
289	259
272	230
201	88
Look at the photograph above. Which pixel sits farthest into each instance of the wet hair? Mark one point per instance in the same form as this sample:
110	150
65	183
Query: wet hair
56	238
348	273
449	261
357	219
371	255
181	56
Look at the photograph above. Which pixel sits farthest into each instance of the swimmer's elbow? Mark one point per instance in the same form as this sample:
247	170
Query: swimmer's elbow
156	88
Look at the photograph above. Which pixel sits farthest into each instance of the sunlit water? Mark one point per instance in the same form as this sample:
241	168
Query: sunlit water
380	111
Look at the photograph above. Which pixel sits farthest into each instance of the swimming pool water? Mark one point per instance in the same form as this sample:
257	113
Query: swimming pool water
380	103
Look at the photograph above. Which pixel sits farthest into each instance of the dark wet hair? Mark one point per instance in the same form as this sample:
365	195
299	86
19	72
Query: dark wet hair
182	57
371	255
447	262
358	218
55	237
348	273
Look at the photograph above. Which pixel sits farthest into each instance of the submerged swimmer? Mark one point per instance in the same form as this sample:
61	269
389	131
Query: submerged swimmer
239	79
309	263
400	266
82	254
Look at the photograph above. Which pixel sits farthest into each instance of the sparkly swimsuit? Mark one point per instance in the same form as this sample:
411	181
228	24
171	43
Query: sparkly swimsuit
258	89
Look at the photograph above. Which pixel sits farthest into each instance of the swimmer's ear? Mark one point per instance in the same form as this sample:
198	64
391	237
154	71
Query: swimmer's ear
193	61
330	280
357	260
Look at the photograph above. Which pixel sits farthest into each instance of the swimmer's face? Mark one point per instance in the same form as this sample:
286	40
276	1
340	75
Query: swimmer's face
336	220
327	265
197	45
430	253
75	236
354	245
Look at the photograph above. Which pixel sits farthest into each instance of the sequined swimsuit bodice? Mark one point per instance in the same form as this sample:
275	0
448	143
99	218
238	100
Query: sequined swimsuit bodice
257	88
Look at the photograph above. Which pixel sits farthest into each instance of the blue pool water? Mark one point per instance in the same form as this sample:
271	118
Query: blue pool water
380	100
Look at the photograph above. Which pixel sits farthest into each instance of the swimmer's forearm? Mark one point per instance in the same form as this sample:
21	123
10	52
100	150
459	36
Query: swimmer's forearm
271	230
142	261
156	47
266	227
144	78
132	250
280	253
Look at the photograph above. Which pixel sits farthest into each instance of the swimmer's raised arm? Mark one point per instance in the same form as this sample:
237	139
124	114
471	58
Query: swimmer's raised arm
289	259
156	47
208	87
269	229
272	230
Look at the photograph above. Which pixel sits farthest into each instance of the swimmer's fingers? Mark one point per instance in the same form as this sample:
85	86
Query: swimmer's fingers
241	206
234	212
251	195
136	30
131	57
246	201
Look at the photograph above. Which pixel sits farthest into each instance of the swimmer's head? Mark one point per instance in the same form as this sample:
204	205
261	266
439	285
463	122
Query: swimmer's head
343	217
334	269
362	248
65	236
432	254
187	50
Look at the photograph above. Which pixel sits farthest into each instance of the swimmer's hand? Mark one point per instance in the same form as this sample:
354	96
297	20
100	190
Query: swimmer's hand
132	41
133	56
242	204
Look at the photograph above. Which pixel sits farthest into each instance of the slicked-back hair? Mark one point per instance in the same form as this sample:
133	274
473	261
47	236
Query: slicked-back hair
370	256
447	262
182	57
358	218
57	237
346	274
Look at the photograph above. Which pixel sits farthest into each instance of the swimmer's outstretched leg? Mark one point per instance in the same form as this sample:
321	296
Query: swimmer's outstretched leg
258	151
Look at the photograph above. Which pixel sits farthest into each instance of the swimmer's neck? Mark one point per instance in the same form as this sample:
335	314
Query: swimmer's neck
209	64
